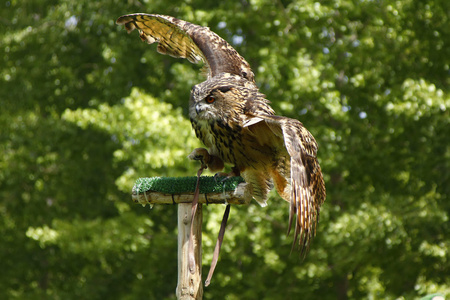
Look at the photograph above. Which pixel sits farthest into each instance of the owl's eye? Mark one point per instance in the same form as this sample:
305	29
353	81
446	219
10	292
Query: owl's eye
210	99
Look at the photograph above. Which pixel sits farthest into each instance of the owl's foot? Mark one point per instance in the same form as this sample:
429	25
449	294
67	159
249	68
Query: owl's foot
234	172
200	154
212	162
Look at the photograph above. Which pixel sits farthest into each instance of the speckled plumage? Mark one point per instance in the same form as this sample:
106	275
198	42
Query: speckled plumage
238	126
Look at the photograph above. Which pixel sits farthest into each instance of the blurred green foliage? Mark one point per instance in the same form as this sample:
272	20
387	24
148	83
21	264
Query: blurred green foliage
87	109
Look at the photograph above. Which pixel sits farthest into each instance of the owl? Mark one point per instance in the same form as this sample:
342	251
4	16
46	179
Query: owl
237	125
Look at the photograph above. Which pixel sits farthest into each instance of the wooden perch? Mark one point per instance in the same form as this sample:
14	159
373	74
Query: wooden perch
241	195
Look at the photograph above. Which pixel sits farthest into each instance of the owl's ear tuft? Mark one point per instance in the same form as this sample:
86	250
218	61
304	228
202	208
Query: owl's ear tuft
225	88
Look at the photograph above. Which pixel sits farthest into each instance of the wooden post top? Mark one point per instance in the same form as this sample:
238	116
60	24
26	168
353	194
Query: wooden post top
149	191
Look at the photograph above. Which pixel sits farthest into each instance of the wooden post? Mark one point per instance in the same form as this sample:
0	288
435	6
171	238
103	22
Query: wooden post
189	285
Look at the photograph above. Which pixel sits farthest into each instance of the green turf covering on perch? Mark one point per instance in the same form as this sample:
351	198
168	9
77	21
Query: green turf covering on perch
180	185
169	190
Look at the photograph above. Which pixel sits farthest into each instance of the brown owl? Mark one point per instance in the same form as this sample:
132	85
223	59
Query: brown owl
238	126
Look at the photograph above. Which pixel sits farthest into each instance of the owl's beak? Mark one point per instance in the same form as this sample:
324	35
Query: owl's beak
198	108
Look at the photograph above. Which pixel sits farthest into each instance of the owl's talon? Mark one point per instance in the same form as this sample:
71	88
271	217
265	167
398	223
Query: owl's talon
225	179
220	174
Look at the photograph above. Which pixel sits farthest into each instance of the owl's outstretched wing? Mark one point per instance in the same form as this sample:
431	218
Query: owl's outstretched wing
182	39
307	188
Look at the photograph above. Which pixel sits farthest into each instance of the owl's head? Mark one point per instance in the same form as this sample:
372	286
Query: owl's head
224	97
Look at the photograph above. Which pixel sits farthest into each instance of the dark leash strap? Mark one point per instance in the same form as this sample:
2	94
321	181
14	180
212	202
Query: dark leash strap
218	244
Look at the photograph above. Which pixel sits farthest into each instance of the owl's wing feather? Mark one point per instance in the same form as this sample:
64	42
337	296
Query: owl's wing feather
307	186
182	39
168	32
